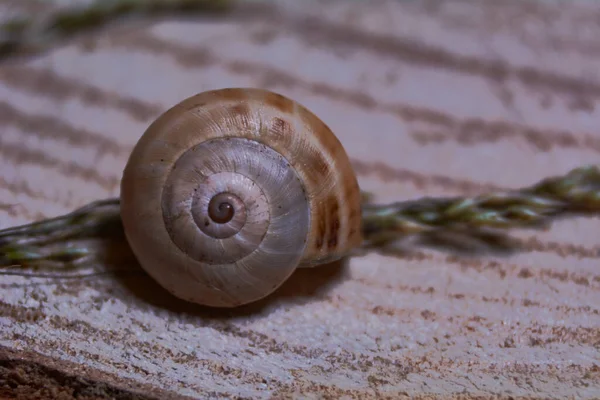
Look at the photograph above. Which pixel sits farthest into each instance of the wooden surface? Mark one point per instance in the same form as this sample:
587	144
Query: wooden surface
440	97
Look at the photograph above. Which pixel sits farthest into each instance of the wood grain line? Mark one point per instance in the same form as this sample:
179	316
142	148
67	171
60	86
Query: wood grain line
520	271
21	187
353	361
20	156
432	293
89	380
62	347
39	375
473	132
52	128
220	369
465	131
360	362
47	83
533	244
317	32
498	19
24	314
388	173
24	213
504	270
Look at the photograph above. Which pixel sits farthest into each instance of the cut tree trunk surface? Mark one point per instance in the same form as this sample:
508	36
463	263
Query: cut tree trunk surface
429	98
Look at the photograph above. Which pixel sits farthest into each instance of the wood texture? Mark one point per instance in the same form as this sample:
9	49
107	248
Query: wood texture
429	98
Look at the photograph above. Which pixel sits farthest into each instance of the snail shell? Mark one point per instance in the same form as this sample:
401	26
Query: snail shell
229	191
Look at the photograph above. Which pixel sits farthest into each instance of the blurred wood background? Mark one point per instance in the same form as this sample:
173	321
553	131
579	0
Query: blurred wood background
430	98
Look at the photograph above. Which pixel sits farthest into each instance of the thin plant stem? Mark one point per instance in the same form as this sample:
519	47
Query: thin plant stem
65	241
576	193
76	238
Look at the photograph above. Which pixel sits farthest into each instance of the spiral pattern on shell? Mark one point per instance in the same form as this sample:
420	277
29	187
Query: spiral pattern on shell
255	228
230	190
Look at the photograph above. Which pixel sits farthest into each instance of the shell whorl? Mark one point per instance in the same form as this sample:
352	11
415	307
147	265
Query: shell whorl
227	192
264	196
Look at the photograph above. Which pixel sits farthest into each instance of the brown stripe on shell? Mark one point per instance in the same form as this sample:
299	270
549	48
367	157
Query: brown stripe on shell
279	131
228	94
317	170
241	114
354	217
331	176
333	223
279	102
242	111
319	225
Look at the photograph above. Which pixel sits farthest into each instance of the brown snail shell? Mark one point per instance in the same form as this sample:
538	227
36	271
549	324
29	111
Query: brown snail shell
229	191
